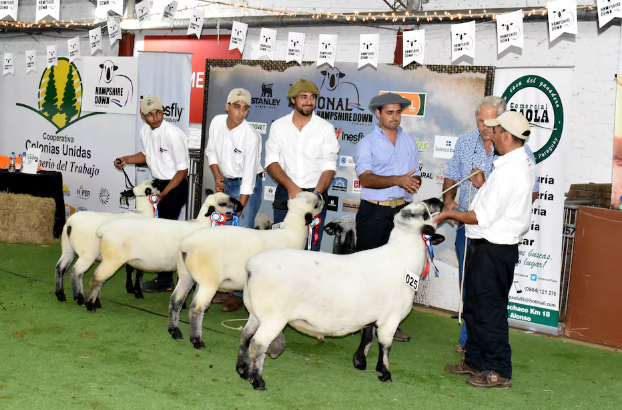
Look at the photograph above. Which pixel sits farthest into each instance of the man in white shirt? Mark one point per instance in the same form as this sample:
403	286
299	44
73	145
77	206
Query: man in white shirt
234	156
165	150
498	217
301	152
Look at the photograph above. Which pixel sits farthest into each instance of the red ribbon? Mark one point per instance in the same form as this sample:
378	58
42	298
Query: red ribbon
316	228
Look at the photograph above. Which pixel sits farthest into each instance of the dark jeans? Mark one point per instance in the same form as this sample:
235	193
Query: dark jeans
279	215
489	275
170	207
374	224
460	249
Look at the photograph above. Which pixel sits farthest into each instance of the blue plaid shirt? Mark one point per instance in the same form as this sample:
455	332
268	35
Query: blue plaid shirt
468	154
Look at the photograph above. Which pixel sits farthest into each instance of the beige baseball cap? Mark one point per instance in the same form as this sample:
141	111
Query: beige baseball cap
513	122
150	103
239	94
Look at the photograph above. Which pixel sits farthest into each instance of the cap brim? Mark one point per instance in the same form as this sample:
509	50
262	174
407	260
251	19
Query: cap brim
491	123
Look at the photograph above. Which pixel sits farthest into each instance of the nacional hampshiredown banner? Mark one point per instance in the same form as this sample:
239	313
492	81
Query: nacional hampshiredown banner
540	94
444	100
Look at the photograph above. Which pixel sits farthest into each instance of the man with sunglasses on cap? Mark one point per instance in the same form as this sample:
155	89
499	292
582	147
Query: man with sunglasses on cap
301	152
387	164
165	151
234	153
498	217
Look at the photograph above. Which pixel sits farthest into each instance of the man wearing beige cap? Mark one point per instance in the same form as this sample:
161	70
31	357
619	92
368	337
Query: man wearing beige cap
234	156
165	151
498	217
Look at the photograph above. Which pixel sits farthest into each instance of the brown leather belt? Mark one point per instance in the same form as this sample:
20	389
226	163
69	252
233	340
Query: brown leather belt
391	202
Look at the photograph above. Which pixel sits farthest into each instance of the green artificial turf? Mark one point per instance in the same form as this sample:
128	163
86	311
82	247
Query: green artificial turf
58	356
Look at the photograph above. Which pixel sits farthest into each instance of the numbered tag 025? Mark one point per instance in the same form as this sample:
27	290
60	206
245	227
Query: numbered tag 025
412	279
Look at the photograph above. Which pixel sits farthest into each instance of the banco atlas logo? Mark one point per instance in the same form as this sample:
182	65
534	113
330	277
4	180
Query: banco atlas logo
60	95
543	110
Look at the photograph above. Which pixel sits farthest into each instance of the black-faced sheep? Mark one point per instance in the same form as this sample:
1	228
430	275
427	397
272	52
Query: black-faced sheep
344	230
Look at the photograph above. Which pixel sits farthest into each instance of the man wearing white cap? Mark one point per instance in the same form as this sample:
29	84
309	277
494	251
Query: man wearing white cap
165	150
234	155
496	220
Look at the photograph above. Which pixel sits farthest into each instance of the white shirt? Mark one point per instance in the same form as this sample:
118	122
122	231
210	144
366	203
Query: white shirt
237	152
166	150
503	203
305	154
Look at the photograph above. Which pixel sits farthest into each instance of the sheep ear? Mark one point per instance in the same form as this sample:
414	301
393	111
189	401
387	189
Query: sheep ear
436	239
208	192
237	205
428	230
210	210
308	218
341	75
148	191
329	228
280	205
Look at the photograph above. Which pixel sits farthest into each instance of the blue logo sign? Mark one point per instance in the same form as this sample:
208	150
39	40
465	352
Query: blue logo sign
340	184
534	277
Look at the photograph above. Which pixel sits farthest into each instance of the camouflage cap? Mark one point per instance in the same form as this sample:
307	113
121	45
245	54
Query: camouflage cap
302	86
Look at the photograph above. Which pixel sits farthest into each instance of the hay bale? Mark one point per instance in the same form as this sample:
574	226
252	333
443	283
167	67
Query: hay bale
26	219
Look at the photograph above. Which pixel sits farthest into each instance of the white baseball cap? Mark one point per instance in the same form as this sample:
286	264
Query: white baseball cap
513	122
239	94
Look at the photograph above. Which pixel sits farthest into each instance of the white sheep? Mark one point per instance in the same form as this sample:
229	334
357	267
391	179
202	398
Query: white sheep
216	260
344	230
322	294
149	244
79	237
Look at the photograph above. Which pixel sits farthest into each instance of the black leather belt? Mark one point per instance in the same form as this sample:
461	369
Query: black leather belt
239	179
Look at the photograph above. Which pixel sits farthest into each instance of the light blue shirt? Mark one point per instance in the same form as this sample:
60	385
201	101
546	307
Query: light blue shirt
470	153
377	154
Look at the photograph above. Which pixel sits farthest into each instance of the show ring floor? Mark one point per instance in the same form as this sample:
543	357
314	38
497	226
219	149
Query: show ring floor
58	356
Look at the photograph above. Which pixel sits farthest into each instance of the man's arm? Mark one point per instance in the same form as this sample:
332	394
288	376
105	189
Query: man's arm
279	176
464	217
138	158
410	184
218	178
179	176
325	179
252	156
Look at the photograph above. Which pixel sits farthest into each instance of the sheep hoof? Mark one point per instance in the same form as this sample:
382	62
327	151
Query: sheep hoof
243	372
79	299
384	377
138	295
360	364
176	333
129	288
320	340
259	384
91	306
198	343
98	304
60	295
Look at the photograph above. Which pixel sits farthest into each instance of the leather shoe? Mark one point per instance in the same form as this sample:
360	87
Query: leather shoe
220	298
233	303
401	336
489	379
460	369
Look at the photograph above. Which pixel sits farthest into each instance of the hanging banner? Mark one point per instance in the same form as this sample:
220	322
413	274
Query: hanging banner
110	85
616	180
8	65
45	112
267	42
608	10
52	55
114	30
462	40
196	22
74	48
238	36
295	47
368	49
169	13
95	40
31	61
327	49
413	47
509	30
103	6
47	8
8	8
562	18
142	11
541	95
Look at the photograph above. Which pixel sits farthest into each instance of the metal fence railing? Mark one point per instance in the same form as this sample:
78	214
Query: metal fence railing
193	181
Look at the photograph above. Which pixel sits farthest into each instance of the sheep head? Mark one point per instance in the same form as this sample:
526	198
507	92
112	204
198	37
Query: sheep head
308	204
418	217
344	230
262	222
221	203
145	188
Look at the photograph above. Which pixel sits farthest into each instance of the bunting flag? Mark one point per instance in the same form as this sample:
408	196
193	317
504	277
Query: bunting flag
238	36
608	10
196	22
509	30
31	61
295	47
169	13
8	64
562	18
74	48
52	56
413	47
8	8
114	30
95	39
368	49
142	11
327	49
47	8
267	42
462	40
104	6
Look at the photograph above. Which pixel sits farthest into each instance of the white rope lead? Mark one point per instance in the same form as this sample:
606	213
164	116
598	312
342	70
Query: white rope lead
458	183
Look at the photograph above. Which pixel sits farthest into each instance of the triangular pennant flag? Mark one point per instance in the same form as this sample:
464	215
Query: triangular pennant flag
95	39
74	48
462	40
562	18
47	8
295	47
327	49
238	36
8	8
114	30
8	64
368	49
142	11
509	30
103	6
267	42
31	61
413	47
608	10
169	13
196	22
52	56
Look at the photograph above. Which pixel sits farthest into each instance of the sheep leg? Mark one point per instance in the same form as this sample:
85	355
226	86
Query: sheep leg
243	365
277	346
103	272
184	284
138	291
61	269
77	274
360	357
201	301
129	287
385	339
257	352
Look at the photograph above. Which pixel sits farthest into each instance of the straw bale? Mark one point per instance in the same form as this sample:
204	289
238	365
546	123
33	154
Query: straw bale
26	219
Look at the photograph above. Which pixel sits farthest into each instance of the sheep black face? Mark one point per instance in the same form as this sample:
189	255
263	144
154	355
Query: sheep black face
344	230
221	203
419	217
145	188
